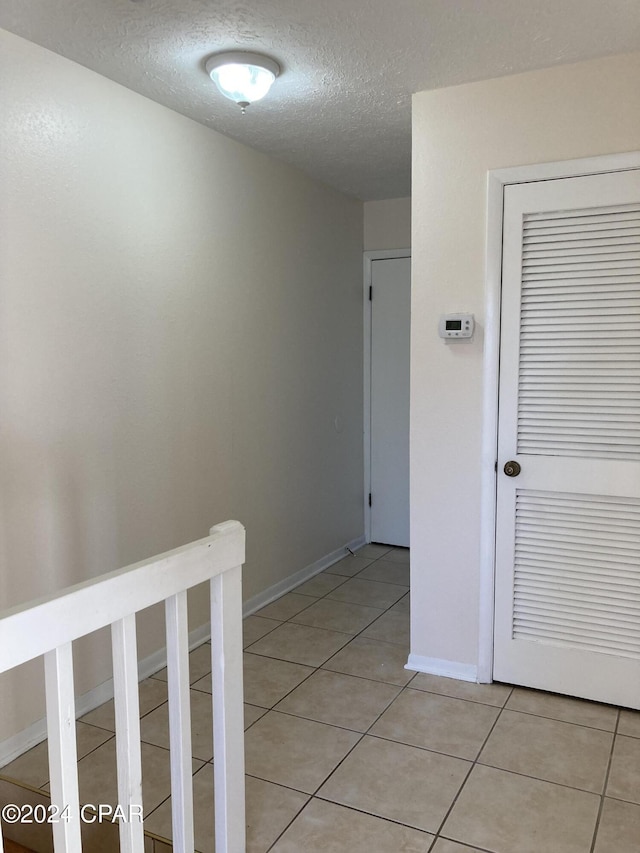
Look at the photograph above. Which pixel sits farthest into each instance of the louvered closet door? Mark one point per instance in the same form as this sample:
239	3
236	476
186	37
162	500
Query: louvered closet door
568	530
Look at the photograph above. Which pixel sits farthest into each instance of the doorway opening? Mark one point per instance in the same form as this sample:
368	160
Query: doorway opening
387	328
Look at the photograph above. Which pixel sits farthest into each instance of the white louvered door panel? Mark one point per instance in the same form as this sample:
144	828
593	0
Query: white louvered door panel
568	528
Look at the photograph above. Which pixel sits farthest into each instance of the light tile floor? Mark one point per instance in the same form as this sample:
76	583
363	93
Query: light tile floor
348	751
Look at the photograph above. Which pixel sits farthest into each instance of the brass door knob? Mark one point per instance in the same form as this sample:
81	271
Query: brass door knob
512	468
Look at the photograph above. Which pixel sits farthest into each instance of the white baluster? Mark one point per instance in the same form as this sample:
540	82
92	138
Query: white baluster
179	722
63	757
228	710
127	709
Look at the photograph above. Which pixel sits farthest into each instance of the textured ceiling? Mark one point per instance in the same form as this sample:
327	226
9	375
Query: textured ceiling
341	110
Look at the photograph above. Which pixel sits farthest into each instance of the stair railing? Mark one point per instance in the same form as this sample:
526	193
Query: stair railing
48	627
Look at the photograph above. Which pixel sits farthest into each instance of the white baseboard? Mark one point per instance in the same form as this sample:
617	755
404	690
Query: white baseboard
445	668
287	584
34	734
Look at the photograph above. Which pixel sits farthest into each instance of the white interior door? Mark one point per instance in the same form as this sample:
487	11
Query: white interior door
568	525
390	337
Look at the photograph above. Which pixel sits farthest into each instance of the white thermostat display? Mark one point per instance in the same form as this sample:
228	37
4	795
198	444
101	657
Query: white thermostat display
454	326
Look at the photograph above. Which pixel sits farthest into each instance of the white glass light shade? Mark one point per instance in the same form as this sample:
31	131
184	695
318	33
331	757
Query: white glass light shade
242	77
243	82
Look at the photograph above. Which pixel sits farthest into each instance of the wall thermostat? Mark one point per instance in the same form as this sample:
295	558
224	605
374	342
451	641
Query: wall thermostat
454	326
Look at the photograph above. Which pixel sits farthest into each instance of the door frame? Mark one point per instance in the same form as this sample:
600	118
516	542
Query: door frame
497	179
368	258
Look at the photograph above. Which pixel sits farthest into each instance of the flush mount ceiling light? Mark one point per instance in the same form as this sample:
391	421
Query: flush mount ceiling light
241	76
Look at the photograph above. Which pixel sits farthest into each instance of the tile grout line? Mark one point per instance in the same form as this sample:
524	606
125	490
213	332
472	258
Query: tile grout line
538	779
362	735
319	667
339	764
557	719
383	612
596	828
293	819
367	733
463	844
474	763
477	759
316	668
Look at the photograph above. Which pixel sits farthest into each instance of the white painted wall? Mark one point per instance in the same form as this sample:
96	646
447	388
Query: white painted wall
180	327
459	134
387	224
